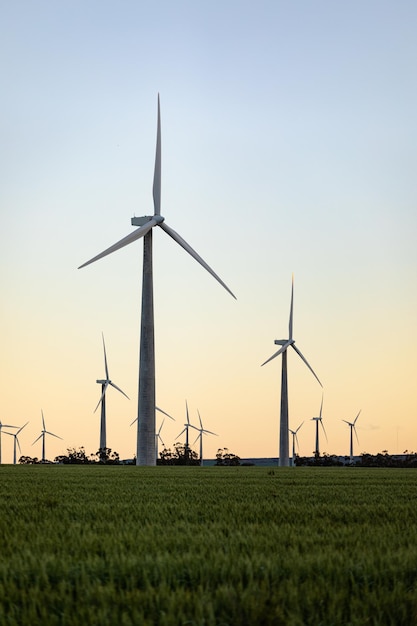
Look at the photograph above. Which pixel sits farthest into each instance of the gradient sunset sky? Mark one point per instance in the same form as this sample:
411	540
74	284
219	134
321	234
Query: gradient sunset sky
289	146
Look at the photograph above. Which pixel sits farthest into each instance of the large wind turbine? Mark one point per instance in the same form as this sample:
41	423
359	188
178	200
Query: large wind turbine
352	428
146	395
5	426
43	434
16	440
294	441
201	431
286	343
104	384
319	420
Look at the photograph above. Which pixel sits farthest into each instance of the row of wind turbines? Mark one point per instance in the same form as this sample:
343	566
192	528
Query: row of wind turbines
16	434
106	382
319	420
146	429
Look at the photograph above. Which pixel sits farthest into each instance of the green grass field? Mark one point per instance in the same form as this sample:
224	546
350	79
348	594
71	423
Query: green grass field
207	546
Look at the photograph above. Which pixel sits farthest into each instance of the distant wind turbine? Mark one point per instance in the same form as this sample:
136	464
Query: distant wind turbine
146	396
156	434
104	384
352	426
16	440
286	343
43	435
295	440
202	431
159	438
319	420
1	428
185	430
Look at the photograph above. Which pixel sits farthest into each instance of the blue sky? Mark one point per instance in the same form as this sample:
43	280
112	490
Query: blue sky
288	146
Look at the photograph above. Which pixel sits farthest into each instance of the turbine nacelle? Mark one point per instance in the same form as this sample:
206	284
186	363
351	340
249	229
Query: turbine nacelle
141	221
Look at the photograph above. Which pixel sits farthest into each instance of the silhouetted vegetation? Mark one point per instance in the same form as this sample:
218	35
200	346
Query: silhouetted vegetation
224	457
77	456
181	455
382	459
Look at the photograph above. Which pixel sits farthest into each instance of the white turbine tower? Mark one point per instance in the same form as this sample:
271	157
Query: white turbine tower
16	440
43	434
1	428
295	441
201	431
104	384
319	420
352	426
146	395
286	343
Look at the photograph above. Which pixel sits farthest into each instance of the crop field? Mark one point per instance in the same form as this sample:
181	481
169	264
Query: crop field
170	546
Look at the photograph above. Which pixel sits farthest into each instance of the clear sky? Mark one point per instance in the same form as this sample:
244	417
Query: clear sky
289	145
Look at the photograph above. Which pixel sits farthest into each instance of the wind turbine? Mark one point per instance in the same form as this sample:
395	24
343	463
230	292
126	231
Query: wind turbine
294	441
146	395
104	384
16	440
286	343
43	434
319	420
158	437
185	430
5	426
202	431
352	428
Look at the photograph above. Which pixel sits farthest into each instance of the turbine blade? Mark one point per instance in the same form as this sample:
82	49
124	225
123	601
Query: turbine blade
18	445
209	432
188	418
356	434
299	427
105	358
157	170
48	433
43	420
183	431
280	351
324	430
291	307
176	237
22	427
135	420
346	422
106	384
321	405
41	435
199	417
198	437
136	234
118	389
354	422
161	411
306	362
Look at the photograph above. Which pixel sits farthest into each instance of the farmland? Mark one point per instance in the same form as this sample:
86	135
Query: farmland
170	546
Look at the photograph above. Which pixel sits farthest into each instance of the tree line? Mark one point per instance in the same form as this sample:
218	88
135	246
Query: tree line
180	455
